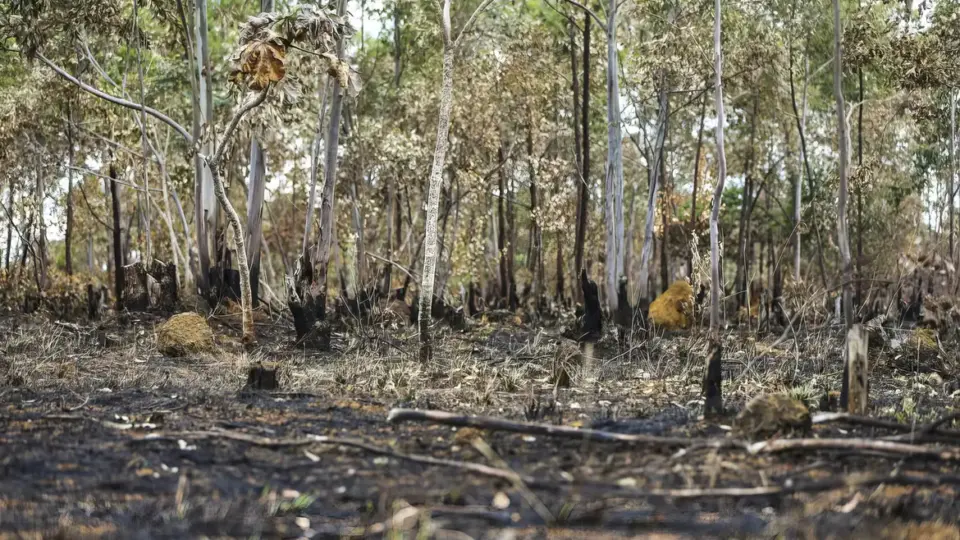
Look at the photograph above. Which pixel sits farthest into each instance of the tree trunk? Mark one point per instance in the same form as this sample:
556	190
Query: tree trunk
536	264
41	255
712	381
801	118
696	178
68	233
117	249
665	215
145	194
6	254
436	181
204	200
314	166
953	163
502	229
742	277
512	299
646	253
715	284
254	229
332	145
859	268
843	239
583	183
614	181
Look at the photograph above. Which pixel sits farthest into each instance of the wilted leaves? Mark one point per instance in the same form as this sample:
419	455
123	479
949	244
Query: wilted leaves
261	63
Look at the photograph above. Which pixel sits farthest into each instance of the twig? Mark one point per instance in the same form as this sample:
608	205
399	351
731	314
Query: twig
530	428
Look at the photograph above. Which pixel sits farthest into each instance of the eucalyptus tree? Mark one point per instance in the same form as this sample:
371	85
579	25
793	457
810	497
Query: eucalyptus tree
430	253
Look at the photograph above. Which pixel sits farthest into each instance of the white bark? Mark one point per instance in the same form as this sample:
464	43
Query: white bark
436	181
614	181
332	145
843	239
646	253
206	203
715	285
314	166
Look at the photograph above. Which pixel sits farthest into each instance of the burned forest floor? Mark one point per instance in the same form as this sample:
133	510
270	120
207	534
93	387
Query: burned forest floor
102	436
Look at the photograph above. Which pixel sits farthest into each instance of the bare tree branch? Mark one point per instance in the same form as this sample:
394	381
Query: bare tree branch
119	101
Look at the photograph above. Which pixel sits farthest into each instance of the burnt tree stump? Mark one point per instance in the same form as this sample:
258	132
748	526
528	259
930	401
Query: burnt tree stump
713	381
136	291
145	288
307	302
165	276
263	376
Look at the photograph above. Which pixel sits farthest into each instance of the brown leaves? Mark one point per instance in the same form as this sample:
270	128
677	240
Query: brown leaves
261	63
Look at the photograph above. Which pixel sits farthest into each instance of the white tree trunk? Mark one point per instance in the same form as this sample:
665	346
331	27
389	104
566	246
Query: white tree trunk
951	185
843	239
614	181
314	166
436	180
646	253
715	285
206	202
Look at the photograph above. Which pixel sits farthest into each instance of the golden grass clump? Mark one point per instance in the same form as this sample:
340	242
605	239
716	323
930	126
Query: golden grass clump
673	310
770	414
184	334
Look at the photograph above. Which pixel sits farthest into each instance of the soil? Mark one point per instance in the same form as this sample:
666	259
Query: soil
124	442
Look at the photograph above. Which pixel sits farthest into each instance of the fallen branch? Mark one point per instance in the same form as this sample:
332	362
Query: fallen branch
869	445
548	430
853	419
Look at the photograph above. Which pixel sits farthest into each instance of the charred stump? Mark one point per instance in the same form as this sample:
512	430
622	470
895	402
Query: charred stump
591	323
854	389
713	381
263	376
307	302
96	301
144	288
165	292
136	291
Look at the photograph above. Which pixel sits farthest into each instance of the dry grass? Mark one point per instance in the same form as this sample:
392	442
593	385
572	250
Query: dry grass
480	370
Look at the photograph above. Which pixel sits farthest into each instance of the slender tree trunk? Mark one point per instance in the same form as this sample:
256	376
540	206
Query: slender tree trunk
512	300
843	239
583	198
6	254
665	238
742	277
859	268
715	284
536	265
315	166
646	254
502	229
801	118
436	181
614	180
41	258
254	229
204	196
696	177
332	145
117	248
953	163
143	138
68	233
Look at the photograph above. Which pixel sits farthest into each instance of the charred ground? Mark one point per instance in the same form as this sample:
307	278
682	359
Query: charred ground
109	437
